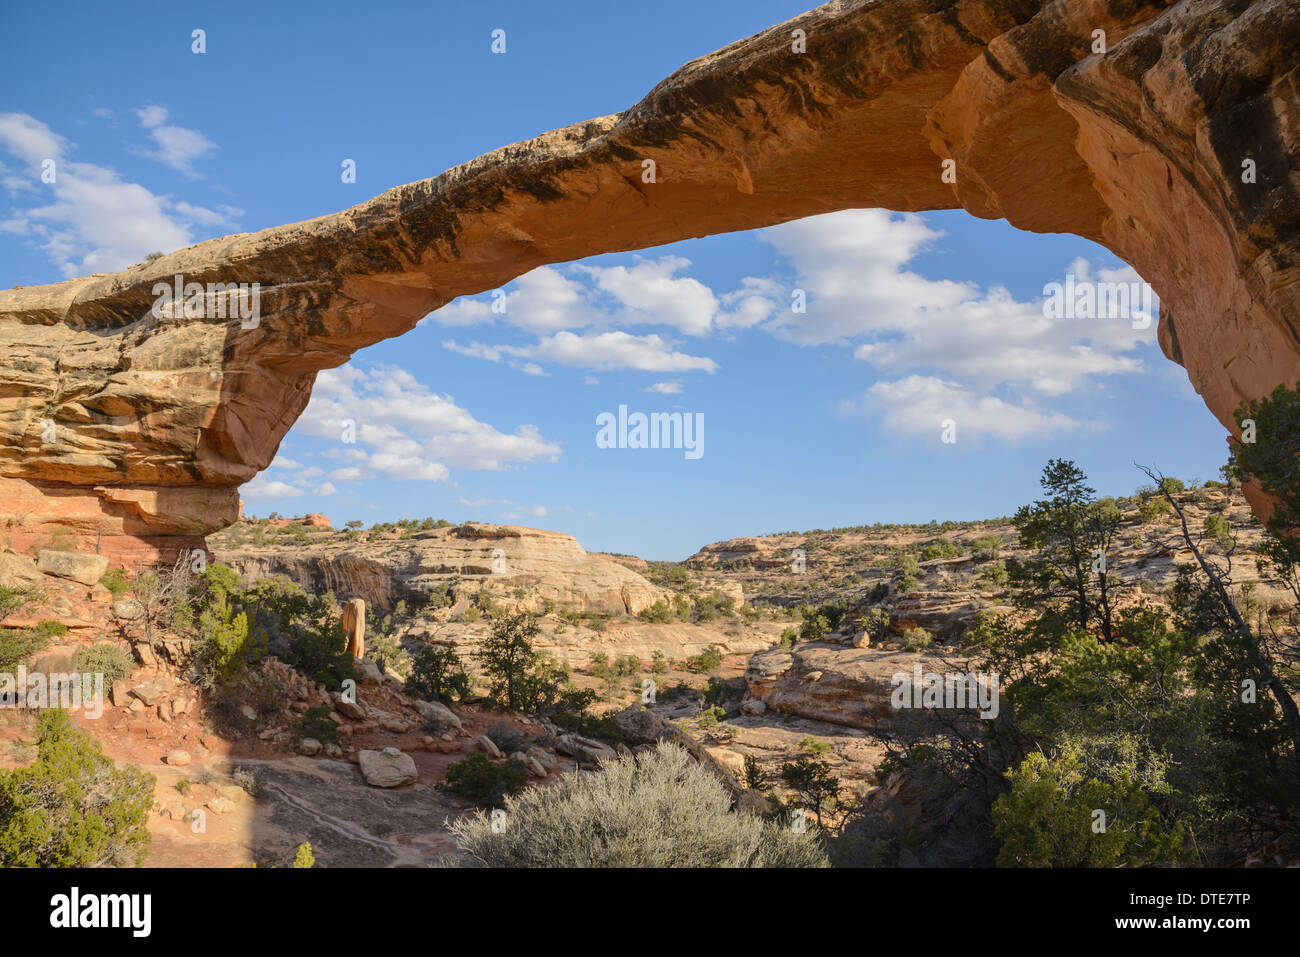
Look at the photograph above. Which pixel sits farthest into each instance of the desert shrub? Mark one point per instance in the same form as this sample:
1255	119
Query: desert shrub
939	549
317	723
304	858
17	644
986	547
224	645
304	630
437	674
1216	527
813	746
655	809
755	779
116	582
875	623
113	662
246	779
711	715
72	807
659	612
1049	818
996	574
1152	508
815	628
482	781
658	662
708	660
812	781
726	692
917	639
627	666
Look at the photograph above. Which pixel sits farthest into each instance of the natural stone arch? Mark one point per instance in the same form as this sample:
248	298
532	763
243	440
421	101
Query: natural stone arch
1139	148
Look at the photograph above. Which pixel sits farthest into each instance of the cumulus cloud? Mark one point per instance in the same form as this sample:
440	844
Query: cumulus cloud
852	265
406	431
94	221
673	387
922	407
262	489
612	350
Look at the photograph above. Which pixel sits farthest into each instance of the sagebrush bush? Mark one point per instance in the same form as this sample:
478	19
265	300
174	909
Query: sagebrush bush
112	661
655	809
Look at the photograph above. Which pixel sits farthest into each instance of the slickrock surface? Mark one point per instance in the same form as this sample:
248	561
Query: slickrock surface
156	421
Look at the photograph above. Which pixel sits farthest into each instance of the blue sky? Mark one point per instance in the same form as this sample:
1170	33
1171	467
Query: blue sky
830	417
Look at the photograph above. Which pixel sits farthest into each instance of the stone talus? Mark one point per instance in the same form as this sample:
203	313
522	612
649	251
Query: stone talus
1139	148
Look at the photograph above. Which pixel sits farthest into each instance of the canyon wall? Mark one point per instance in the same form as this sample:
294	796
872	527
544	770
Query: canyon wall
133	430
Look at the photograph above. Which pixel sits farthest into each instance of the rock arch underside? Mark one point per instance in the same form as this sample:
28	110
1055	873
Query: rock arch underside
1139	148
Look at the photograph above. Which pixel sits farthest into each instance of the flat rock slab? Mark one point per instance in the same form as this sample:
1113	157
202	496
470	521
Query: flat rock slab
78	566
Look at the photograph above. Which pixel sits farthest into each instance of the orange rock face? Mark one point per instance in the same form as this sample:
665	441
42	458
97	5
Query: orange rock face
1170	138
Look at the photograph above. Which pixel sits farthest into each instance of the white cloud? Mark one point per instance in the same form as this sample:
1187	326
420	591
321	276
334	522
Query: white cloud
475	350
651	293
408	431
177	146
262	489
326	488
29	139
612	350
921	407
852	267
673	387
94	221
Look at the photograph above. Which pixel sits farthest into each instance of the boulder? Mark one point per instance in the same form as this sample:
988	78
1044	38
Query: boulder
542	757
178	758
487	746
585	750
367	673
128	609
534	767
438	715
309	747
18	571
78	566
148	691
389	768
349	709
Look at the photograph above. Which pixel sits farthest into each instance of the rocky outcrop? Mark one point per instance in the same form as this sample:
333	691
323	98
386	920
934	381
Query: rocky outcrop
354	626
508	561
1172	143
844	686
